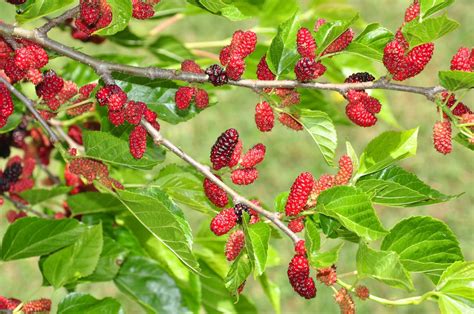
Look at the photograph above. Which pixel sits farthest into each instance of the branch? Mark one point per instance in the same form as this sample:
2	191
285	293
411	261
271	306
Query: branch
30	105
52	23
26	208
105	68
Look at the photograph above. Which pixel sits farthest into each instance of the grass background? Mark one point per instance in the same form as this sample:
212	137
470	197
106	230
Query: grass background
290	153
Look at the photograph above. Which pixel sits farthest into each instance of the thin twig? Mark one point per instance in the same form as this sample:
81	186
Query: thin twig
29	104
52	23
166	23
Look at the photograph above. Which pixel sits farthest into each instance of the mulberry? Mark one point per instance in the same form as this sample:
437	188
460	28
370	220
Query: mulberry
221	152
234	245
215	194
263	71
254	156
223	222
296	225
305	43
244	176
216	75
290	122
299	194
463	60
442	137
264	117
184	97
137	141
307	69
345	171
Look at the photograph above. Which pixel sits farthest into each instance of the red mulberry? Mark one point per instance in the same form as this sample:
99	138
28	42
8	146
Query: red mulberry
345	171
134	112
362	292
296	225
234	160
244	176
413	11
191	66
201	98
442	137
137	141
307	69
327	275
305	43
254	156
215	194
290	122
51	85
299	194
263	71
234	245
223	222
463	60
264	117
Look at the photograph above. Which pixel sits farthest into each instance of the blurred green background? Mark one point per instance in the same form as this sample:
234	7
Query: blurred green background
289	152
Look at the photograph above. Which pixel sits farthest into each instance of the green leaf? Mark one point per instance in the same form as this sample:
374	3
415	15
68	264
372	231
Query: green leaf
31	236
145	281
158	95
121	15
76	261
464	141
353	209
353	155
456	80
256	242
371	42
76	302
93	203
311	236
170	50
384	266
430	7
424	244
330	31
428	30
184	187
220	7
321	128
387	148
155	215
282	54
272	291
238	273
39	8
280	201
325	258
115	151
127	38
394	186
36	196
112	256
456	289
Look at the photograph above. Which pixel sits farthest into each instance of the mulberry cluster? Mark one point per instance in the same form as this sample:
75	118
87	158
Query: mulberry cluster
233	56
247	173
362	108
94	15
307	69
143	10
8	303
16	177
298	273
6	105
185	96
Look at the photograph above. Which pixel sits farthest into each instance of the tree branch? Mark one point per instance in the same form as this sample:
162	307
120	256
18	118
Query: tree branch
52	23
105	68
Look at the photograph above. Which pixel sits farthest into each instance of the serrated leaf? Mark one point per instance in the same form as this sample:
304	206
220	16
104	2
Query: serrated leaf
115	151
282	55
93	203
383	266
430	7
353	209
272	291
256	242
424	244
121	15
321	128
325	258
456	289
330	31
170	50
39	8
146	282
280	201
154	214
371	42
311	236
387	148
456	80
111	258
394	186
76	261
353	156
32	236
77	302
419	32
238	273
36	196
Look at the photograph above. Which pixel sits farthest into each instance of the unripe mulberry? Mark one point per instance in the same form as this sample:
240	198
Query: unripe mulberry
327	275
221	152
183	97
215	194
307	69
75	133
413	11
12	71
264	117
31	57
463	60
243	43
244	176
137	142
6	105
361	108
223	222
13	216
300	248
296	225
290	122
345	171
442	137
234	160
51	85
460	108
224	55
112	96
299	194
217	75
134	112
41	305
341	42
305	43
234	245
263	71
117	117
362	292
201	98
345	302
191	66
142	10
254	156
235	68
